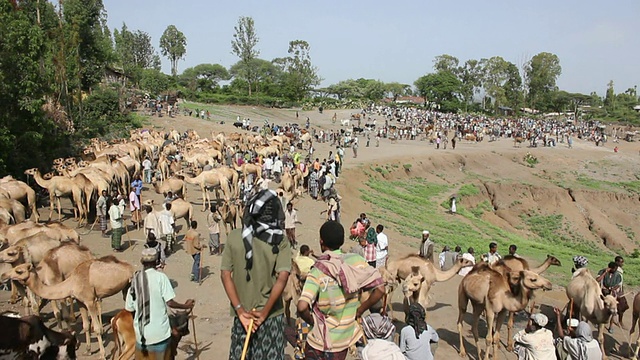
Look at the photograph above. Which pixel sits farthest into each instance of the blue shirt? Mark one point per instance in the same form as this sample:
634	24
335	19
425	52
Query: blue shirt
137	185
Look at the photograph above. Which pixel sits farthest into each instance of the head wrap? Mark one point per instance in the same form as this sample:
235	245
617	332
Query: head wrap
580	261
263	219
540	319
415	319
425	232
584	334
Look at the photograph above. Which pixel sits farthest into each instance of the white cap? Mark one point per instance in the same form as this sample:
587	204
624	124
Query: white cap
425	232
572	322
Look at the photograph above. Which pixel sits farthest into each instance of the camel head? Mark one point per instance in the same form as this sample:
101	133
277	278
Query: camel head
610	304
19	273
83	163
529	280
11	254
48	176
413	282
58	161
148	202
389	280
32	171
464	262
553	260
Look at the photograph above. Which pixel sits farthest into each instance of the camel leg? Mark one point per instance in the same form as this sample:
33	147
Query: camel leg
496	335
510	341
462	351
57	314
60	209
86	327
490	331
52	205
69	307
601	340
98	327
34	308
634	354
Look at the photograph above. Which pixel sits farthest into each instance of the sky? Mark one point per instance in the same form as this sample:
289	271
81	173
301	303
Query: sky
596	41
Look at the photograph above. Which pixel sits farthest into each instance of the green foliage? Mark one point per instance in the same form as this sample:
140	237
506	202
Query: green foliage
530	159
468	190
101	116
243	46
541	72
134	52
407	167
154	81
299	74
203	77
442	88
173	45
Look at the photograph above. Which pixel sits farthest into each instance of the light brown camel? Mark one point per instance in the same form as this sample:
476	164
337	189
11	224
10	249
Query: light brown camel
173	184
15	208
208	180
411	286
515	263
59	186
489	291
399	269
590	303
229	211
248	168
180	208
88	283
288	183
9	234
636	317
292	290
22	192
232	176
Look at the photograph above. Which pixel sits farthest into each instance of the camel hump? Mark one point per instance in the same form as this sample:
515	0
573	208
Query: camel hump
413	256
582	272
109	259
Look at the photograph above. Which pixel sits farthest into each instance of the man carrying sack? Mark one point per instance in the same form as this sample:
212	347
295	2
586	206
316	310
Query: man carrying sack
256	262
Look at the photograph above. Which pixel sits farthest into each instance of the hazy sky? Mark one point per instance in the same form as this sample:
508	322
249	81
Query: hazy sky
596	41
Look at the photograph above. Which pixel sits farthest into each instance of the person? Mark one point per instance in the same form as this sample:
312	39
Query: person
535	342
290	220
355	147
277	169
370	244
579	262
378	140
255	258
148	298
213	221
267	166
331	289
469	255
333	212
151	222
152	243
313	184
117	223
512	250
146	165
426	249
376	326
453	209
492	256
382	246
304	260
101	212
623	305
416	337
134	206
167	225
443	256
207	166
578	344
450	258
610	279
137	186
194	248
169	198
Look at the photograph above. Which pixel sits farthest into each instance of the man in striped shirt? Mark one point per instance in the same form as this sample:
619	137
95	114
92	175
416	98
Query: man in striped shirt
332	290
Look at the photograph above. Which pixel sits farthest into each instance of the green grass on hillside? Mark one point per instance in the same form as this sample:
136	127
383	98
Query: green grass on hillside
413	205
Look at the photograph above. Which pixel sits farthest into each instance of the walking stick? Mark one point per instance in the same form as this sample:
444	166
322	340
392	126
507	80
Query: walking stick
195	339
246	340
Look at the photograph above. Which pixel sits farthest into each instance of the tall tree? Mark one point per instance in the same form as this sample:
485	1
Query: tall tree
173	45
300	76
471	77
203	77
541	73
446	62
610	98
442	88
135	52
243	46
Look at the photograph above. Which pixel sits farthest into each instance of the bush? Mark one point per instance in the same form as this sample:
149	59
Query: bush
530	159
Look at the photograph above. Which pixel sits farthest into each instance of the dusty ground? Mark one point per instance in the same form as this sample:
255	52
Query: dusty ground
497	160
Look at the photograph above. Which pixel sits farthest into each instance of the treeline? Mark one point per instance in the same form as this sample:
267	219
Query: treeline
52	65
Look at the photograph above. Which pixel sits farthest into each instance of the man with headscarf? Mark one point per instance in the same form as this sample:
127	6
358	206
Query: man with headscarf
578	344
426	249
579	262
148	298
255	258
417	336
535	342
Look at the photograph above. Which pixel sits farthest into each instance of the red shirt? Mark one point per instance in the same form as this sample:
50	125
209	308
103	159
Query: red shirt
370	252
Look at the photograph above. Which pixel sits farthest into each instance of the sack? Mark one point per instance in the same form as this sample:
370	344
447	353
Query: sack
623	305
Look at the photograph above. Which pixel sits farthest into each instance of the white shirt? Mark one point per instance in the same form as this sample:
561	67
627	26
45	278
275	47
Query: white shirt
277	166
537	345
166	221
268	163
383	243
465	270
147	164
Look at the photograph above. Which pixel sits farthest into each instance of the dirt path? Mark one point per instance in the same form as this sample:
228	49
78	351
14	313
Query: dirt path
213	322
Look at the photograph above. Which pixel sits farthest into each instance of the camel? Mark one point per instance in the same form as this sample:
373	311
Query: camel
411	286
11	234
517	141
636	317
590	303
248	168
399	269
88	283
292	290
489	291
22	192
173	184
206	180
15	208
180	208
288	183
59	186
232	177
229	212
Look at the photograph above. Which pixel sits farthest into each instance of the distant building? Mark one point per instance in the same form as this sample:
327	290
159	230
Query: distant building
113	75
637	108
416	100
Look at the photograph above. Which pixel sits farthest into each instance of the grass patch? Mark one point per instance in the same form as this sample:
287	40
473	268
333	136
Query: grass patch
407	167
412	205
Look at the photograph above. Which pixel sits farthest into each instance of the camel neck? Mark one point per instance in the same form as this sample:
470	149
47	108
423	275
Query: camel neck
54	292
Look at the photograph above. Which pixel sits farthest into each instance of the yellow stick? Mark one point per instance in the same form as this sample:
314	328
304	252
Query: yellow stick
246	340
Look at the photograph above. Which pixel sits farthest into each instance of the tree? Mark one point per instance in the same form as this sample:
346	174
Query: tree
395	89
300	76
173	45
203	77
154	81
541	73
243	46
610	98
471	76
446	63
513	86
135	52
442	88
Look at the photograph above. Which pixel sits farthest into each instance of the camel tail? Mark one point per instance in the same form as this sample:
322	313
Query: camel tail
636	315
116	338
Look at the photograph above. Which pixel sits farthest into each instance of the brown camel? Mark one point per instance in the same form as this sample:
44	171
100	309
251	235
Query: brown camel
22	192
292	290
9	234
60	186
15	208
590	303
411	286
515	263
173	184
229	212
180	208
248	168
209	180
399	269
232	177
88	283
489	291
636	317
